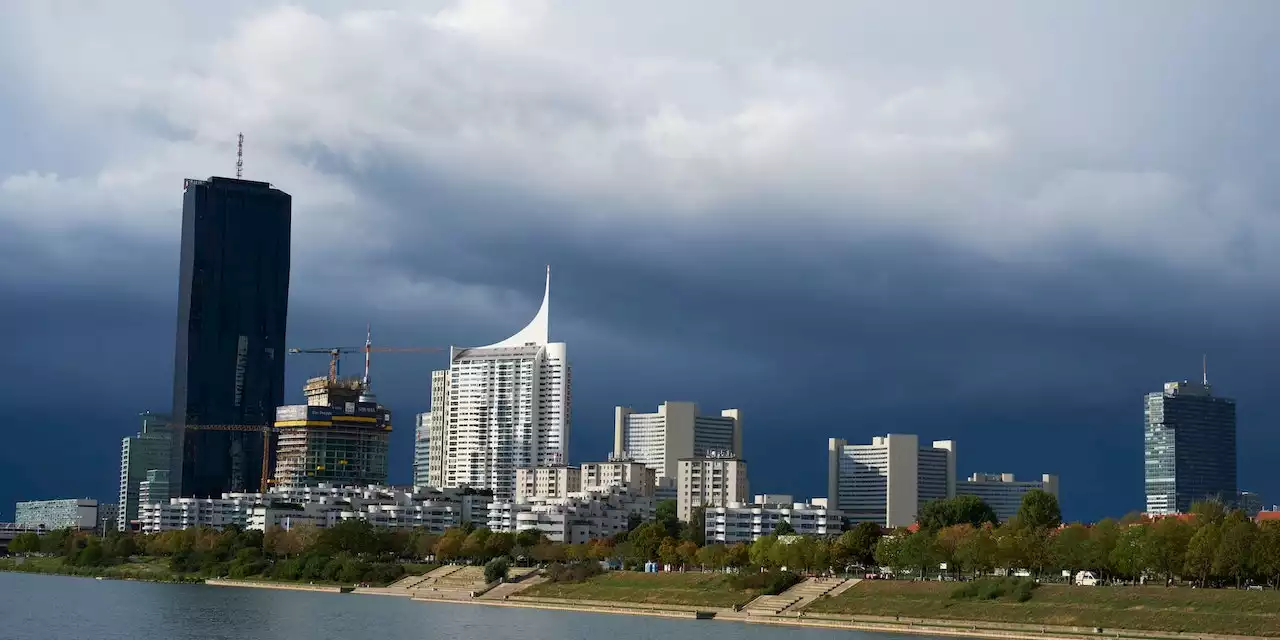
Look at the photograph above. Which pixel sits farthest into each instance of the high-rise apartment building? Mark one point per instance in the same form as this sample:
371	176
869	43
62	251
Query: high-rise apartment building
508	407
1003	492
676	430
714	480
439	414
73	513
233	300
139	454
1190	447
887	481
422	449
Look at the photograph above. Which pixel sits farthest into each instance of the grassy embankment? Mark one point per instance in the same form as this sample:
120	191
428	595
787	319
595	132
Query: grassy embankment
685	589
1223	611
150	569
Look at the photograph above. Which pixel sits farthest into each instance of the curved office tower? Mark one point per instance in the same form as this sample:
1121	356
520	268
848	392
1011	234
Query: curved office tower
501	407
233	302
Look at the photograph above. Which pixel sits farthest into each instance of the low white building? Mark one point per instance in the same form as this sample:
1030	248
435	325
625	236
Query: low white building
743	522
575	518
619	471
553	481
433	509
715	480
1002	492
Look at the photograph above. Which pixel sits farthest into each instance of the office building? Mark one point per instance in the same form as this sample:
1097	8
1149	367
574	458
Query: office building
152	490
1190	447
674	431
108	518
337	445
1002	492
438	418
887	481
548	482
73	513
620	472
1250	503
147	450
717	479
422	449
508	408
233	301
746	522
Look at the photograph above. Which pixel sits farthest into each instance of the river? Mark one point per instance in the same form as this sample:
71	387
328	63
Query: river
39	607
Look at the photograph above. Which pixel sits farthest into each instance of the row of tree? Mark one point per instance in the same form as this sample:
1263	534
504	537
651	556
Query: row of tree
1212	546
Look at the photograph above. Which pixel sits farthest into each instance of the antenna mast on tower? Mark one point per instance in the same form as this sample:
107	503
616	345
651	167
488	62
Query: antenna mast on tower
240	157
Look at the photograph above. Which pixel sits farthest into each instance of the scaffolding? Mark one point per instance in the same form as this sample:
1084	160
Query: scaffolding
337	445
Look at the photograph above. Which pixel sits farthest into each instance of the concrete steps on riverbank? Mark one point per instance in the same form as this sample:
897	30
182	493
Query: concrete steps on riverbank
513	586
797	597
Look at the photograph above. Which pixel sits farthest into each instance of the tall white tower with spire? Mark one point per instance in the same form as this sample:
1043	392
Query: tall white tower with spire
501	407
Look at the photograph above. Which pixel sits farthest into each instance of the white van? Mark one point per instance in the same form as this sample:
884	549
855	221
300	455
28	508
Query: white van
1086	579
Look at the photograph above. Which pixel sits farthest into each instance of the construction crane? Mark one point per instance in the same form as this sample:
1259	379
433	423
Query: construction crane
265	429
335	354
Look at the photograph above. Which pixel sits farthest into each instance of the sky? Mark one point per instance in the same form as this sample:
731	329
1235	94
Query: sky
994	222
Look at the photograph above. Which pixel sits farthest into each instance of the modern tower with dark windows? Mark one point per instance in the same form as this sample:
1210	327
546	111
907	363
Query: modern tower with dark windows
233	300
1190	447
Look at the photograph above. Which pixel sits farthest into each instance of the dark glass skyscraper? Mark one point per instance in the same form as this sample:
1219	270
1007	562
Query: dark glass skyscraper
233	299
1190	447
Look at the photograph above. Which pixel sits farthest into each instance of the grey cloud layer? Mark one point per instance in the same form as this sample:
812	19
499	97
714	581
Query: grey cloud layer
985	223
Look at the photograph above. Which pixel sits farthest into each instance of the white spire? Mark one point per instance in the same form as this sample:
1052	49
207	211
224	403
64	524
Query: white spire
538	330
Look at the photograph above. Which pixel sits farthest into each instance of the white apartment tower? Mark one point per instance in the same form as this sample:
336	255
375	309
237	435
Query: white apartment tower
888	480
714	480
502	407
658	440
422	449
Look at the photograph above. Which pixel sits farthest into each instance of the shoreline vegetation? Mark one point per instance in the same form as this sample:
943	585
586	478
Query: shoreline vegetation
948	560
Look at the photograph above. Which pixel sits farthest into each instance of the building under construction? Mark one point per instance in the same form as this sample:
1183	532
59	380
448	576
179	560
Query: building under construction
339	437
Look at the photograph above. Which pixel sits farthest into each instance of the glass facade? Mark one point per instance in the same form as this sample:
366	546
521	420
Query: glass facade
233	299
1189	447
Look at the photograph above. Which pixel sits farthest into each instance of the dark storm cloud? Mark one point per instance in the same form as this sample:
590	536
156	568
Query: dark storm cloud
847	223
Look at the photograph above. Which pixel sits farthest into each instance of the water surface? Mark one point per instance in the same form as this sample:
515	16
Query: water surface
38	607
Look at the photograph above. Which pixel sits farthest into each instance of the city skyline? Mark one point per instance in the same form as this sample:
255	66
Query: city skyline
990	234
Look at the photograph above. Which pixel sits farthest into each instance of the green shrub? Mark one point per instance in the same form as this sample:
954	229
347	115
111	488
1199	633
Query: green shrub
1018	589
769	583
496	569
573	572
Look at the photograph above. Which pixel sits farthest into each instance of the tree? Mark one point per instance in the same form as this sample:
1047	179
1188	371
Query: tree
784	528
499	544
687	552
27	542
858	545
1128	557
1208	512
1231	560
496	569
646	540
1266	551
528	538
762	551
919	550
668	552
737	555
1070	548
666	513
1201	551
1039	510
936	515
978	551
1103	538
695	529
949	541
474	546
1165	547
889	552
713	556
449	547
